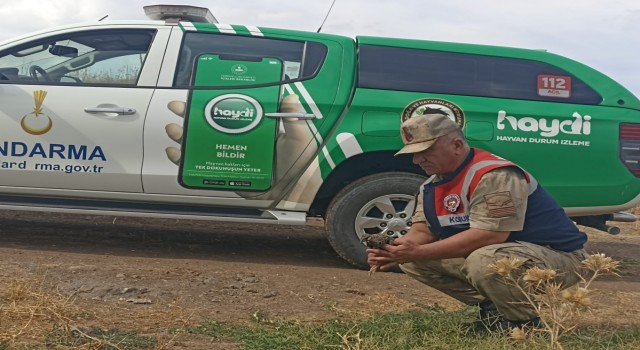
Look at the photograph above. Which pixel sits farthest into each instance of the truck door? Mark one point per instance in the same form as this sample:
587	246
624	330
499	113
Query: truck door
298	117
73	107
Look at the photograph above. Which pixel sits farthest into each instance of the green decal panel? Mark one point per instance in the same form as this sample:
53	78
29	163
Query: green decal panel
228	142
572	150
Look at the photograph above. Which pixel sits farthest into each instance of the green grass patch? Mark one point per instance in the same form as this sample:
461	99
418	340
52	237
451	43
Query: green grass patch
428	329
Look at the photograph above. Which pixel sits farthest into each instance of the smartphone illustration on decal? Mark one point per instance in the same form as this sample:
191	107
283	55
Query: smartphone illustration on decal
228	143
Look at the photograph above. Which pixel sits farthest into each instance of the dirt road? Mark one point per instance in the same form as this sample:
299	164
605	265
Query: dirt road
151	274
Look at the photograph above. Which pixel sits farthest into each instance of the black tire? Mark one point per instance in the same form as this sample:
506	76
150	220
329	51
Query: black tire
381	202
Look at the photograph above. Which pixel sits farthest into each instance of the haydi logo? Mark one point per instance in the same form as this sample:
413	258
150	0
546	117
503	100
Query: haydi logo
581	125
247	112
233	113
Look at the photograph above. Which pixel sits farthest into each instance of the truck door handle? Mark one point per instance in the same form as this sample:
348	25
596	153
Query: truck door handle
290	115
117	110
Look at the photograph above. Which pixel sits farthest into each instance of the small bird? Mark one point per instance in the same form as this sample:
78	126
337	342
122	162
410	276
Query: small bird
378	241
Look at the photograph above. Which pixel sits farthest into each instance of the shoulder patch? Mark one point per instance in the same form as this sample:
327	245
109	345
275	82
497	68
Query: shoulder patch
500	205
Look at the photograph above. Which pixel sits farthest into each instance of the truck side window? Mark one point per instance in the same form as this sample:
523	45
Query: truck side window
301	59
403	69
98	57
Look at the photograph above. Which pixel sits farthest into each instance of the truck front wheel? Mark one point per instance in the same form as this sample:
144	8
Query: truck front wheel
379	203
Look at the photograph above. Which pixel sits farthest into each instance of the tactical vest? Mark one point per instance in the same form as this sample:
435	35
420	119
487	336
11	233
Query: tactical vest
446	205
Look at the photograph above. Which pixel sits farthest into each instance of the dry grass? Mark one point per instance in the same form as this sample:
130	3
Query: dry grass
33	312
29	310
369	305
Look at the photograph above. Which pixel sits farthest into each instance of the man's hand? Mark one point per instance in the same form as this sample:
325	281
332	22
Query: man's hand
378	262
400	252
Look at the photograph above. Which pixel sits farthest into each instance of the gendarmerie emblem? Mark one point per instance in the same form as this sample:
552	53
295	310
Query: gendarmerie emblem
452	202
434	106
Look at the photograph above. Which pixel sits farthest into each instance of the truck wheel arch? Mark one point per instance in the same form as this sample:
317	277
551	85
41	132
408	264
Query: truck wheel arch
357	167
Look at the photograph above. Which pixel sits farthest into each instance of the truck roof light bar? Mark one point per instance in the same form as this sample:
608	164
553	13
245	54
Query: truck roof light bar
180	13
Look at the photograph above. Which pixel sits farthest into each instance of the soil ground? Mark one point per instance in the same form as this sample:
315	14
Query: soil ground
154	274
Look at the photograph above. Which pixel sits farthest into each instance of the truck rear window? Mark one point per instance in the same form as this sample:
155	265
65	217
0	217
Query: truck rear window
403	69
301	59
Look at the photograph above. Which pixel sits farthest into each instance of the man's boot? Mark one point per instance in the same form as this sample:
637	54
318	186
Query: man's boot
488	315
491	320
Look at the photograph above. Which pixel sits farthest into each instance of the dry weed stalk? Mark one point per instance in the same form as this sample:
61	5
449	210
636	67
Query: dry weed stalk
99	343
556	306
351	341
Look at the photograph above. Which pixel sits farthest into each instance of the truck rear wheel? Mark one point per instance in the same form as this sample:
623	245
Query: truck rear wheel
377	203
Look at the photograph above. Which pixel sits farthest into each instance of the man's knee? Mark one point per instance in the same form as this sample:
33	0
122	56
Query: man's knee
409	269
422	268
434	272
476	265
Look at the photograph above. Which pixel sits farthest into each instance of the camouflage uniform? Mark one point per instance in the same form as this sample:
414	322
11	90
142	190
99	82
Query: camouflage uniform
469	279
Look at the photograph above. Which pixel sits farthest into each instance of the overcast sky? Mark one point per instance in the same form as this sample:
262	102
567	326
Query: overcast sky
604	34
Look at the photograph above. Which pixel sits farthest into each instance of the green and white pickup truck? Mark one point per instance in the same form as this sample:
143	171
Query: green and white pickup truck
187	118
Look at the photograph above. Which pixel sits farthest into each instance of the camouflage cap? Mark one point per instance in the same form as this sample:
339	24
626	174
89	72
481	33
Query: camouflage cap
420	132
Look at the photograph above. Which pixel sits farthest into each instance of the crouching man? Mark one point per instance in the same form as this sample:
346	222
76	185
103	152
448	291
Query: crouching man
474	209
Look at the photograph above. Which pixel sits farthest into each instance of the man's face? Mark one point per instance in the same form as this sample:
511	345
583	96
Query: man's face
441	158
